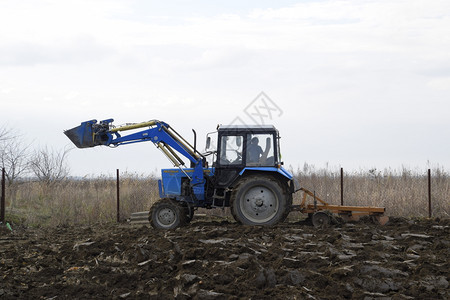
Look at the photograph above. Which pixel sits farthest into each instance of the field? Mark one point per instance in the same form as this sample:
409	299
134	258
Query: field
65	244
406	259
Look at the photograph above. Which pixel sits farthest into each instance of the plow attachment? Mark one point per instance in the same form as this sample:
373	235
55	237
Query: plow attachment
320	211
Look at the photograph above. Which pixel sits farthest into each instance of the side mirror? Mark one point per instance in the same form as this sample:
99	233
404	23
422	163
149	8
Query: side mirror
208	142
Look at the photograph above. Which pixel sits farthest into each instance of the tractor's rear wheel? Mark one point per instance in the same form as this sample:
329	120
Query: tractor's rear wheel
260	200
166	214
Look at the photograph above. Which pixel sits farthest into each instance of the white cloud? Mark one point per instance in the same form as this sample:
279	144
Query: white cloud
324	27
442	83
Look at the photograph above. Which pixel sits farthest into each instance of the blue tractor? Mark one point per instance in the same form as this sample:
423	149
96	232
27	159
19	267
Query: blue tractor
245	171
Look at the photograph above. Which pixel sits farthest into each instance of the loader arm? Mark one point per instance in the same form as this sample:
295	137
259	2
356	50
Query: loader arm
173	145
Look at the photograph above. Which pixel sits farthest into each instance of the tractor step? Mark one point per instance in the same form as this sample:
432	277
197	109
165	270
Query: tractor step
141	217
138	218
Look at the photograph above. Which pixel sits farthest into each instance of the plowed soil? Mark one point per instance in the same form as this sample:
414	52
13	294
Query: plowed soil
405	259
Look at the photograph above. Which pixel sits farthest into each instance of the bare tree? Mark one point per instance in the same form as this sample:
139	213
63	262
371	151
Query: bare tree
14	158
5	134
49	165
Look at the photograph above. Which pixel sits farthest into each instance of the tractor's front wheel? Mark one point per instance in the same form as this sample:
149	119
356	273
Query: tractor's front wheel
260	200
166	214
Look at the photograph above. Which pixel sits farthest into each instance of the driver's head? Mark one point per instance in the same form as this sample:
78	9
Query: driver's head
254	141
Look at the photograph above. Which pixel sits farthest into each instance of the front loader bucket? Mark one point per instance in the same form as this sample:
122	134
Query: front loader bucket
82	136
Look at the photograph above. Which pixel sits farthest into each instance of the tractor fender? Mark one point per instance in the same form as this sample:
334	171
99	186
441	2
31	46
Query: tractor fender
294	184
282	171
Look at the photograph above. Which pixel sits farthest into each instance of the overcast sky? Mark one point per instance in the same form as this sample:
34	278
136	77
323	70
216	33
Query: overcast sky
357	84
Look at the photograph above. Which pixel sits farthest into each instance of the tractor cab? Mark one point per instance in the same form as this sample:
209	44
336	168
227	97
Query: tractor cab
241	147
251	146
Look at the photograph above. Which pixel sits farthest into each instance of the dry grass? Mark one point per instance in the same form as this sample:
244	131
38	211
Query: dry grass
83	201
403	192
93	200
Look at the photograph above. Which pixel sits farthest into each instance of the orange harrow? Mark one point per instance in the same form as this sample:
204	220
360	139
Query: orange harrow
320	211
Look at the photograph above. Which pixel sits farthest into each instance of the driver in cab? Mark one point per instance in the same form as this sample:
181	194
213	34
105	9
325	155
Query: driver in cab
254	151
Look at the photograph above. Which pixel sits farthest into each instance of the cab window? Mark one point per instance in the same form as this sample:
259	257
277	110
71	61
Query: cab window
231	150
260	150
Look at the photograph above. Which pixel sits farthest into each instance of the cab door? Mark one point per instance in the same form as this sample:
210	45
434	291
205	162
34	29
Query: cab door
230	158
